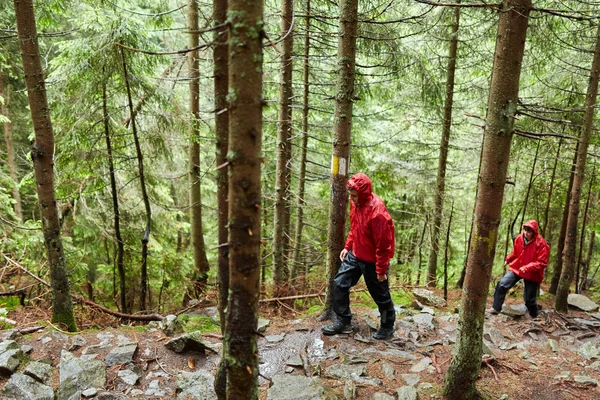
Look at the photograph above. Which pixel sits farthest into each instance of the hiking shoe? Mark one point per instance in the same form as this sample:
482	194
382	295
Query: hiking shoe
384	333
337	327
493	311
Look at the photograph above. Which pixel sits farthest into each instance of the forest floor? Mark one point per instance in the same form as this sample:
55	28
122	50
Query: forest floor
523	367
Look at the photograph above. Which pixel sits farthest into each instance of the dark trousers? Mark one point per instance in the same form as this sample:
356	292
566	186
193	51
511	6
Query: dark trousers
507	282
348	275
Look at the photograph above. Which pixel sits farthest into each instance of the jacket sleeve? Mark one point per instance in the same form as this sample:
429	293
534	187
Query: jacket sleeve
541	258
383	236
349	241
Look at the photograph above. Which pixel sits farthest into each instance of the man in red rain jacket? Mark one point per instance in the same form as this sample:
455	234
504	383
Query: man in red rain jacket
527	261
368	250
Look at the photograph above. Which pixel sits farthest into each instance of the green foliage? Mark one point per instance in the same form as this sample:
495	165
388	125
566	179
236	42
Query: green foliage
402	297
201	324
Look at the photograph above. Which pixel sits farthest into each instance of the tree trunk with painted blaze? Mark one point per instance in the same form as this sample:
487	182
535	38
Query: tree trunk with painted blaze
244	157
566	277
342	120
441	173
499	127
42	153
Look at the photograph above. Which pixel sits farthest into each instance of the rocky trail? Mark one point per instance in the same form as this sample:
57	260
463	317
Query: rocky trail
554	356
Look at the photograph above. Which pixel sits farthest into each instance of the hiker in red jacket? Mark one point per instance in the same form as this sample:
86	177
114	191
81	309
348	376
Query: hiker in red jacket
527	261
367	251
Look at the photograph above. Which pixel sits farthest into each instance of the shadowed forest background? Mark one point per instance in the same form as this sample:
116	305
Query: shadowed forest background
144	126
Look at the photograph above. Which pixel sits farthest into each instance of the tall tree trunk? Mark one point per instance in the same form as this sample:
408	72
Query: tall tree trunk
115	201
531	176
441	172
558	264
284	145
583	226
10	151
588	260
420	252
550	190
446	252
42	153
303	149
566	277
499	127
244	157
221	79
140	159
200	261
221	70
342	127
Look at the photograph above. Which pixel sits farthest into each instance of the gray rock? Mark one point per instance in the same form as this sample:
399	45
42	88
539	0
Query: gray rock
517	310
295	361
121	355
421	365
589	350
91	392
388	370
275	338
154	389
346	371
195	385
23	387
8	345
10	359
428	297
10	334
41	372
553	345
111	396
587	322
129	377
27	349
79	374
494	335
263	324
59	336
411	379
171	325
389	353
407	393
581	302
423	320
293	387
585	380
595	366
189	342
382	396
349	390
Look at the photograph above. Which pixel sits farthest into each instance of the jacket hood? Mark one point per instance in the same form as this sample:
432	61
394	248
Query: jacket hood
533	224
363	185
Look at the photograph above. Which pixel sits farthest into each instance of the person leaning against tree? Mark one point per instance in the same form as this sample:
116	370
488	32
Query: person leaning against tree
367	251
527	261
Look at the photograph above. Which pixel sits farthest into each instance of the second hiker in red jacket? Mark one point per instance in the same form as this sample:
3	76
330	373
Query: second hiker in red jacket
527	261
367	251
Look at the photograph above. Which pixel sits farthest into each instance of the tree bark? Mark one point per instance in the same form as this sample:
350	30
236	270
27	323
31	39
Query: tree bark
558	264
550	190
303	149
200	261
244	157
441	172
340	158
10	151
499	128
220	88
42	153
566	277
583	226
284	145
115	201
588	260
140	160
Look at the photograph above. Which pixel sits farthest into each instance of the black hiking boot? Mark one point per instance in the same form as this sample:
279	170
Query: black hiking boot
337	327
384	333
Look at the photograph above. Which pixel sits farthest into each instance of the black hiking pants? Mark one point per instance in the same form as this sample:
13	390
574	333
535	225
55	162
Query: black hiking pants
530	294
348	275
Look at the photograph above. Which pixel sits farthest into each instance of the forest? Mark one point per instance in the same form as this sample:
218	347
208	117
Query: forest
156	154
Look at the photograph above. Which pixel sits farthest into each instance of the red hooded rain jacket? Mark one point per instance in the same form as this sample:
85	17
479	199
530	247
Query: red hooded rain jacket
533	256
371	236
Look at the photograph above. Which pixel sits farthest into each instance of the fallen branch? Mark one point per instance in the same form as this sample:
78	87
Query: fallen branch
487	361
300	296
132	317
